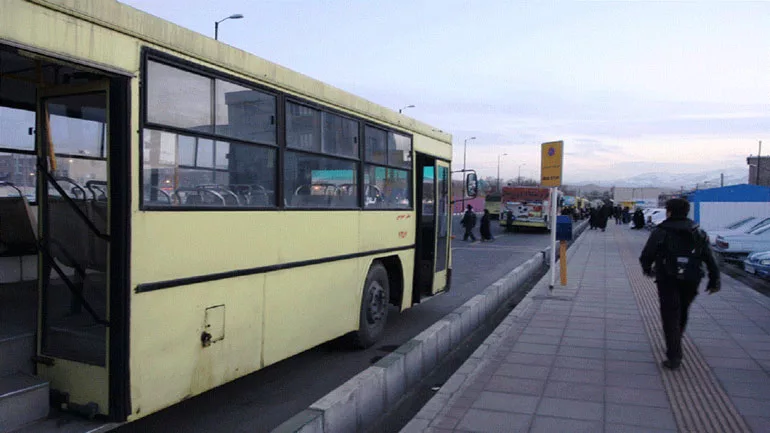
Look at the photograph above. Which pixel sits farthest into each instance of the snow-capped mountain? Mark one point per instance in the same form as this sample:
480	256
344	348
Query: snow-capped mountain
706	179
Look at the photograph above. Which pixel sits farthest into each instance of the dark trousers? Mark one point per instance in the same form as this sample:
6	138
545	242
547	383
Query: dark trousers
469	232
675	299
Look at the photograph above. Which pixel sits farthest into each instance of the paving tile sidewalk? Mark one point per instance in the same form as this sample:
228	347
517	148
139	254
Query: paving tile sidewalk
586	357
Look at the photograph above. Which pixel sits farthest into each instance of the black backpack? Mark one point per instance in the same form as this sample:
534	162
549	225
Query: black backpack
681	258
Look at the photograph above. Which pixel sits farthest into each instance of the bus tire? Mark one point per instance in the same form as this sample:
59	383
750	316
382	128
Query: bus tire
374	307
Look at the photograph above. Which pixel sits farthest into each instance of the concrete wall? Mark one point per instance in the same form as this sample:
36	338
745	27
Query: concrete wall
634	194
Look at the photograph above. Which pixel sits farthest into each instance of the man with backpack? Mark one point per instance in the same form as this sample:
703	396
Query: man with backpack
678	248
469	222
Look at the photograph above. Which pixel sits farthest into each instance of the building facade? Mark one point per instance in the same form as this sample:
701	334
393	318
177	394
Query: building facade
759	165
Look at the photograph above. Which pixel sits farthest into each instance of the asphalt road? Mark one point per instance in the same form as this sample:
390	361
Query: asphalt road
263	400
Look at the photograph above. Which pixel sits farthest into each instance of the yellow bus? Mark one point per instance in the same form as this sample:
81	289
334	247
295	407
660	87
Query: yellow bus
177	213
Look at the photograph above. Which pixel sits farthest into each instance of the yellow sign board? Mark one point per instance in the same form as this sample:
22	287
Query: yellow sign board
551	163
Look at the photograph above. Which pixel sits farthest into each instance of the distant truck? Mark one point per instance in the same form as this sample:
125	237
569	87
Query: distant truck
525	207
492	204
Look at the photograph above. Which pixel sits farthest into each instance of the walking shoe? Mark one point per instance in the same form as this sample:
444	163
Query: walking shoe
671	365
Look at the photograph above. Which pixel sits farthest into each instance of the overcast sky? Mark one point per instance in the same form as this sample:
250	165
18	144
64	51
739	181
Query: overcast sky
631	87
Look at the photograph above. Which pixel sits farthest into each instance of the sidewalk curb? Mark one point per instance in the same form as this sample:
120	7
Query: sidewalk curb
362	400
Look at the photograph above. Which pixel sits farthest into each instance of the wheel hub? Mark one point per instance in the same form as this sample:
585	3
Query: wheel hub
377	304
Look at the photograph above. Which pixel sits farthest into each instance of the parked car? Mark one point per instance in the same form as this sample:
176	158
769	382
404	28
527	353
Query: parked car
654	216
758	264
737	247
744	225
657	216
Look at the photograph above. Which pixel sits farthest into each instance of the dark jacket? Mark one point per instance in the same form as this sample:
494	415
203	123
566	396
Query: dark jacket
485	229
469	220
654	249
638	219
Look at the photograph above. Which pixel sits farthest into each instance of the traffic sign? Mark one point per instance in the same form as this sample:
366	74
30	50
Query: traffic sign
551	158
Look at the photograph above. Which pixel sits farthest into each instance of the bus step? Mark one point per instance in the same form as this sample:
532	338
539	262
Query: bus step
23	400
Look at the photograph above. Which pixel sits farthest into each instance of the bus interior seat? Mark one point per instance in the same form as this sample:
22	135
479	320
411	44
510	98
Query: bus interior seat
347	201
193	199
18	229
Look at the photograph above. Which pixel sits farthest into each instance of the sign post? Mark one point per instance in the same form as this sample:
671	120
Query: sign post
551	158
563	235
563	261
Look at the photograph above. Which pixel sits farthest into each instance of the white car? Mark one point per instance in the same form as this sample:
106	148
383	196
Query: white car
745	225
657	216
654	216
739	246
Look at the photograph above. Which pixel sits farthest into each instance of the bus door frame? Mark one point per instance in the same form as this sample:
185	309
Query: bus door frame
119	175
427	281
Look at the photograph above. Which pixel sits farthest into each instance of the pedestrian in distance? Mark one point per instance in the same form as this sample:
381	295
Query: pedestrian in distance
638	219
604	214
469	222
678	248
484	228
626	215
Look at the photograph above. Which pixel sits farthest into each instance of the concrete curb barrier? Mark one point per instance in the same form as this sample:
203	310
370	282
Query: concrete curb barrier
358	403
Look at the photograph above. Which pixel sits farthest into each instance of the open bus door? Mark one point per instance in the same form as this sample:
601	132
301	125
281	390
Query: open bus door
82	150
74	245
432	249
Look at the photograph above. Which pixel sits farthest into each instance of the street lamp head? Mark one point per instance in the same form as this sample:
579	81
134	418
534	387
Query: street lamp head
235	16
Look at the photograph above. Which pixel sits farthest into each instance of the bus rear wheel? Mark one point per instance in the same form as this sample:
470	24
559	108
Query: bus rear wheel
374	307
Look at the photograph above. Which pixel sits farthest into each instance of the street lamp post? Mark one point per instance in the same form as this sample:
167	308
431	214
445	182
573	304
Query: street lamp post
465	148
498	170
465	153
216	24
518	179
408	106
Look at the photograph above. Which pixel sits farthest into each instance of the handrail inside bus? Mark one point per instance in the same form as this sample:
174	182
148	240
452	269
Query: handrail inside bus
216	188
198	193
99	186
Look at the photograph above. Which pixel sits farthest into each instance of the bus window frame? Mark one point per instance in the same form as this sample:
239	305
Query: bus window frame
150	54
282	98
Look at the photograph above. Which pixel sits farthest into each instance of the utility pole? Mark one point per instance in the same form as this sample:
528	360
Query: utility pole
722	180
498	171
759	160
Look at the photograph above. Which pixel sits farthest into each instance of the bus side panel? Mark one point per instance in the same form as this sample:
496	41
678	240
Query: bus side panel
308	306
407	265
171	245
392	228
432	147
40	27
169	362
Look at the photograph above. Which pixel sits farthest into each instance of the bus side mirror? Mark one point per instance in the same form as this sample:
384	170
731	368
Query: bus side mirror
471	185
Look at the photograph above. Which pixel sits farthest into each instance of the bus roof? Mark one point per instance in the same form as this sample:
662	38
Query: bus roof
141	25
